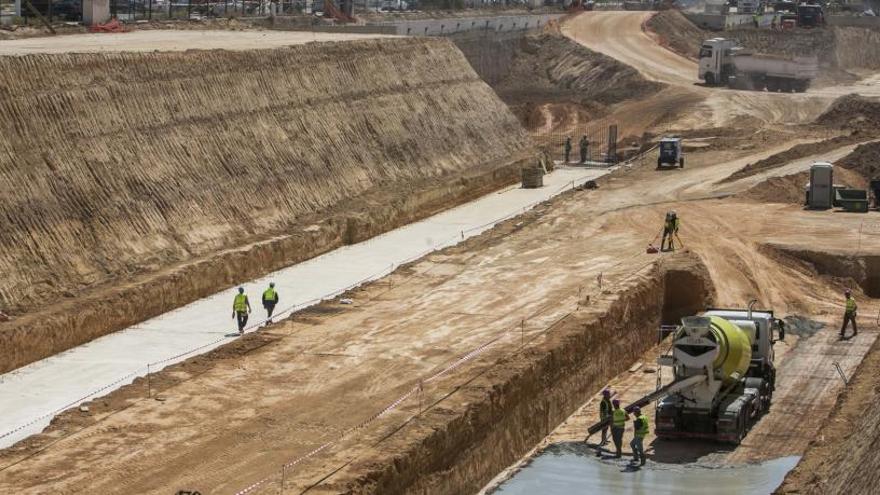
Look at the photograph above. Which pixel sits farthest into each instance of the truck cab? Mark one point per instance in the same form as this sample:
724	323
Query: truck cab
713	64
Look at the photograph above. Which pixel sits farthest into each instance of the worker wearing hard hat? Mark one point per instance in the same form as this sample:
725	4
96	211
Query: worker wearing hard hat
670	230
849	314
605	409
270	299
618	425
241	308
640	427
567	149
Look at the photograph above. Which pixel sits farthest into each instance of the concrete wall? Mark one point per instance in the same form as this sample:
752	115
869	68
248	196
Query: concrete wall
435	27
732	21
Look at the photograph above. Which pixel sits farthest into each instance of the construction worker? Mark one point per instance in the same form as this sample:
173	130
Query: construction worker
618	425
605	409
640	431
567	148
241	308
756	19
670	230
849	315
584	145
270	299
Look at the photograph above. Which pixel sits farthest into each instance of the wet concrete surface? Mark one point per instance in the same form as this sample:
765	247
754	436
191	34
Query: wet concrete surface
573	468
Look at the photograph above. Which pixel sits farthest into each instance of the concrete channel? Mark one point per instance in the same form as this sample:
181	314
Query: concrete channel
32	395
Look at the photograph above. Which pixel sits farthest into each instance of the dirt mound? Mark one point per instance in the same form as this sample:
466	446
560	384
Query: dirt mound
674	31
790	188
128	163
864	160
852	112
551	68
795	152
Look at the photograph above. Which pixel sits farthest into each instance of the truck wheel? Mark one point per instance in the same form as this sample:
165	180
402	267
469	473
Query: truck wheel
681	163
710	79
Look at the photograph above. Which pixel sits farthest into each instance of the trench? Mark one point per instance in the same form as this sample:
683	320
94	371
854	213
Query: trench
860	271
533	391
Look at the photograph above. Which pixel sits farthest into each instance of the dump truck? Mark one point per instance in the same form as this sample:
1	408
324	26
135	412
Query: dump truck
722	62
724	375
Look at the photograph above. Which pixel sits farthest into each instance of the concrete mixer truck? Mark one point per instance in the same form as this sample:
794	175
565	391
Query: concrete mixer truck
723	375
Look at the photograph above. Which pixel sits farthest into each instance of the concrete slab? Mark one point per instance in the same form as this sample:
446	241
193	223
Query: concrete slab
32	395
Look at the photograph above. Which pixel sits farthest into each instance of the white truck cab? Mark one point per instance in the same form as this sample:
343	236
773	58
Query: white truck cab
713	56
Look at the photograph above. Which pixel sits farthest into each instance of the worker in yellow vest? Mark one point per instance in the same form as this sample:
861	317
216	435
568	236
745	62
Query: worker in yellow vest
670	230
618	425
849	314
270	299
241	308
641	428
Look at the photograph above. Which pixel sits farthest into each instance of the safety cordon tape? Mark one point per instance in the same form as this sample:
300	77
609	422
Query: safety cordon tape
391	407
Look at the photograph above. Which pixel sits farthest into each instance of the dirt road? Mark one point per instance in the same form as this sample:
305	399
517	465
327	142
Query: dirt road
167	40
621	35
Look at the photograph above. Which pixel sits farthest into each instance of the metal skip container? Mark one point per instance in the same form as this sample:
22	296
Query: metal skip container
821	194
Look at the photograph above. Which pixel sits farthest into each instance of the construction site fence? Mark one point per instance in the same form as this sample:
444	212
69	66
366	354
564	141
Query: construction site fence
601	136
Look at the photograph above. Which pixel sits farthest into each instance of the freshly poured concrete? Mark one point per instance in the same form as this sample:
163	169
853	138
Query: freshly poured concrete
32	395
565	469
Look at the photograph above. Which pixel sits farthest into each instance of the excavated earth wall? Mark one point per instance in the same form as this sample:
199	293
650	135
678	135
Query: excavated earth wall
510	407
141	182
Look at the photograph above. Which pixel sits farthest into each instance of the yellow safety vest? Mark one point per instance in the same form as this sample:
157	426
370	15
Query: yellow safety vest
270	295
619	418
240	303
643	429
850	305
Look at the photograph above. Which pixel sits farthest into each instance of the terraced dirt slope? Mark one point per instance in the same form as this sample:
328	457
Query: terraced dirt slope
122	163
